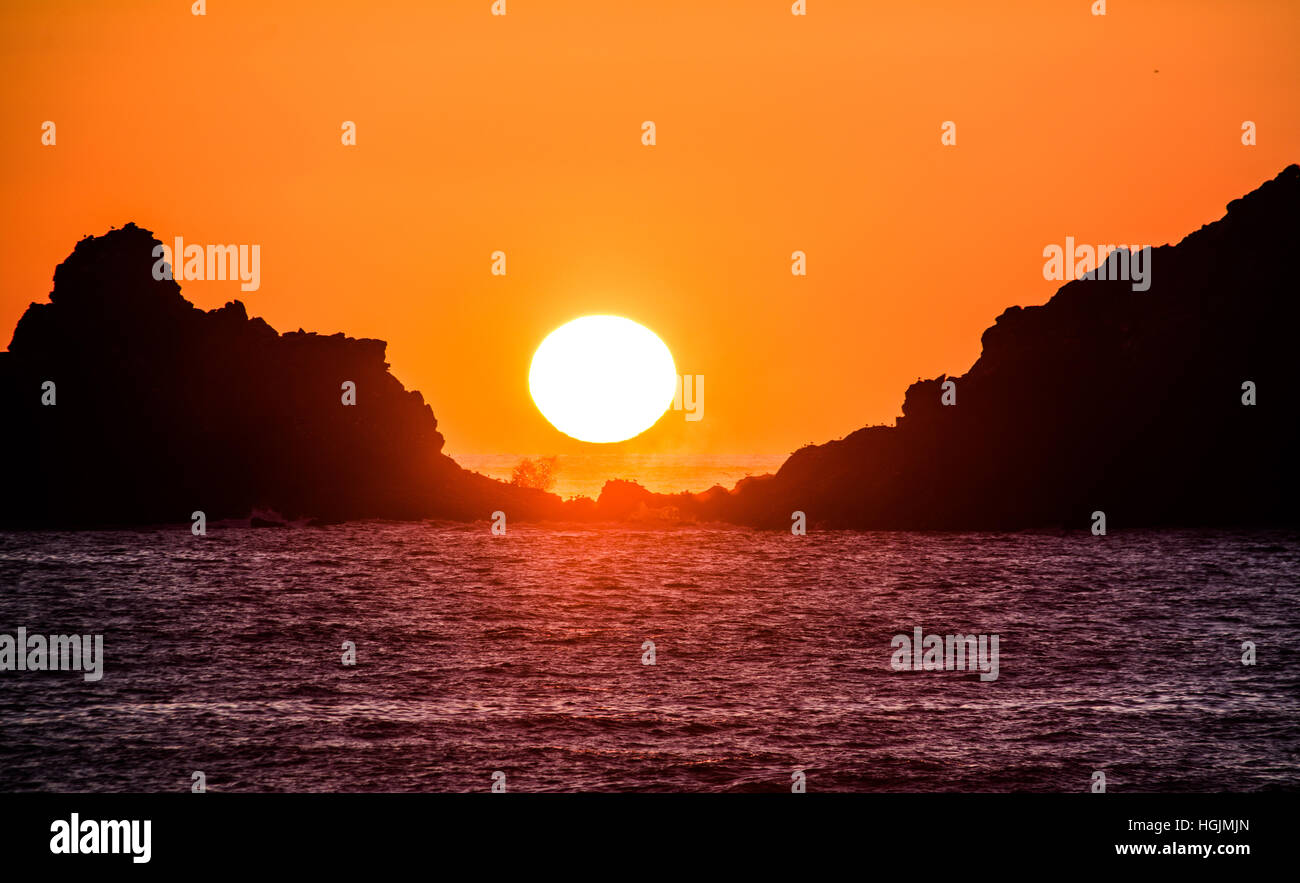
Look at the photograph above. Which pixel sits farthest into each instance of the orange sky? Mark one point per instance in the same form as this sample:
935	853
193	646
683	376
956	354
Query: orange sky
522	133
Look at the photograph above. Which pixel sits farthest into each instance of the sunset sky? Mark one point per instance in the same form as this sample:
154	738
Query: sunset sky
522	133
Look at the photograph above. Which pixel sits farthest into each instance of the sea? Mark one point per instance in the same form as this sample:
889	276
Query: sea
693	659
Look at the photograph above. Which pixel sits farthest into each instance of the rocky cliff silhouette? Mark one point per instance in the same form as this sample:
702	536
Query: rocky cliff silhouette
1104	399
161	409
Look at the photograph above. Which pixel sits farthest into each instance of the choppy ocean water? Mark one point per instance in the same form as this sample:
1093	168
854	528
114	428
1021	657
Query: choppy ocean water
524	654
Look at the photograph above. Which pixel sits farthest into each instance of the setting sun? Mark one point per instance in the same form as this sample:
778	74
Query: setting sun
602	378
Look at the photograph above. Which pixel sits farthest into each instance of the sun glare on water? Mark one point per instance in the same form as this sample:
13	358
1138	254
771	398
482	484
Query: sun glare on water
602	378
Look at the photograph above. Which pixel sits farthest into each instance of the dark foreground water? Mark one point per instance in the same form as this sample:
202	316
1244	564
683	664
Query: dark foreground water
524	653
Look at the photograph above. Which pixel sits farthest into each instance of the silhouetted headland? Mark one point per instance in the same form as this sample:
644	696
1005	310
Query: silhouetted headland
1104	398
162	409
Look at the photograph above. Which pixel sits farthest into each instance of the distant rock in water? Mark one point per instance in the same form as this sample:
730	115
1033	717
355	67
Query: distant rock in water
161	409
1105	399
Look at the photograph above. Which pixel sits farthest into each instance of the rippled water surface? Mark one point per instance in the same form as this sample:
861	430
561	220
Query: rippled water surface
523	654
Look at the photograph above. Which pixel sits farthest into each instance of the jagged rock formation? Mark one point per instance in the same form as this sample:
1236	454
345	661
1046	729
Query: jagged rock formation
1105	398
162	409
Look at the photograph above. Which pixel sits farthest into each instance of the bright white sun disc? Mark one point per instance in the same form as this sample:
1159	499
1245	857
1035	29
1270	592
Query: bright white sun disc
602	378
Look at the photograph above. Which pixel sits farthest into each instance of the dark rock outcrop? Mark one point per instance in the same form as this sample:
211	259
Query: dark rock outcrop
162	409
1105	398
